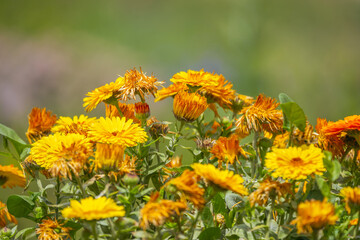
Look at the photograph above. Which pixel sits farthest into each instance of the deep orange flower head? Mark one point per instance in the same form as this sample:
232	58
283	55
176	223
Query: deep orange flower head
127	110
142	110
40	123
5	216
188	106
349	123
170	91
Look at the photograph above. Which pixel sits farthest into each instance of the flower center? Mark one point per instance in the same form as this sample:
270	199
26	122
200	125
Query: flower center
296	160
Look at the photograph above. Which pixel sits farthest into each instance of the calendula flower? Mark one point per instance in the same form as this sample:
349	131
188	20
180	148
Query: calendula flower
5	216
269	189
307	137
103	94
142	110
204	144
60	154
295	163
354	222
157	128
137	83
40	123
52	230
314	215
223	179
127	110
280	141
227	150
11	176
350	123
93	209
352	198
188	185
262	115
170	91
117	131
157	212
331	143
188	106
108	156
195	78
80	125
240	101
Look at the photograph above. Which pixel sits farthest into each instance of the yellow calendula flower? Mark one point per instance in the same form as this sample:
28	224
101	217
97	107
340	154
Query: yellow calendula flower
262	115
157	212
352	198
170	91
11	176
223	179
194	78
188	106
188	185
102	94
314	215
117	131
108	156
269	189
61	154
40	124
227	149
5	216
295	163
80	125
93	209
52	230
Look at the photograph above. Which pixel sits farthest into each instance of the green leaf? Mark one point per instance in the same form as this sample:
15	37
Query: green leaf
20	206
336	170
24	232
212	233
219	204
207	217
323	186
293	115
232	199
284	98
10	134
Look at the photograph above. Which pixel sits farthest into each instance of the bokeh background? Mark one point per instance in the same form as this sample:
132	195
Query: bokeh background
53	52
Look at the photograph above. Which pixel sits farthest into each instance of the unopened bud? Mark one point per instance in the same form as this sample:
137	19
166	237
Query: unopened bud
142	110
131	179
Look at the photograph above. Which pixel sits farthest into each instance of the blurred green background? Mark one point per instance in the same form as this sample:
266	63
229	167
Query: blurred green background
53	52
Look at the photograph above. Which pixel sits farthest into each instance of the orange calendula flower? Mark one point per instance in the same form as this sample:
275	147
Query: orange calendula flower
188	106
354	222
80	125
187	184
349	123
223	179
118	131
11	176
108	156
241	101
127	110
331	143
262	115
137	83
352	198
93	209
60	154
52	230
314	215
157	212
40	123
171	90
269	189
102	94
295	162
5	216
227	149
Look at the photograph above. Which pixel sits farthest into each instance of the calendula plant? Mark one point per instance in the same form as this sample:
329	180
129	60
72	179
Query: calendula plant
257	169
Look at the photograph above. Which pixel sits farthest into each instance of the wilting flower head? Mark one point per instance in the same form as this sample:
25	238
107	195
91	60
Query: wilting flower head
187	184
5	216
227	149
93	209
52	230
262	115
117	131
269	189
11	176
331	143
142	110
352	198
40	123
222	179
102	94
172	90
80	125
157	128
137	83
61	154
127	110
108	156
126	166
188	106
157	212
241	101
314	215
204	144
295	162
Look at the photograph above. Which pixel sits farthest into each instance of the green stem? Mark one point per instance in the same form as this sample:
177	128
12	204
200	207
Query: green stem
112	227
78	180
93	228
192	230
315	234
290	135
57	194
118	108
268	220
257	157
356	232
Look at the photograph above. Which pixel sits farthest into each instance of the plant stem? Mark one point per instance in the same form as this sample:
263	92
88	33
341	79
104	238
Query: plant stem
78	180
57	194
268	220
257	158
93	228
315	234
192	230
